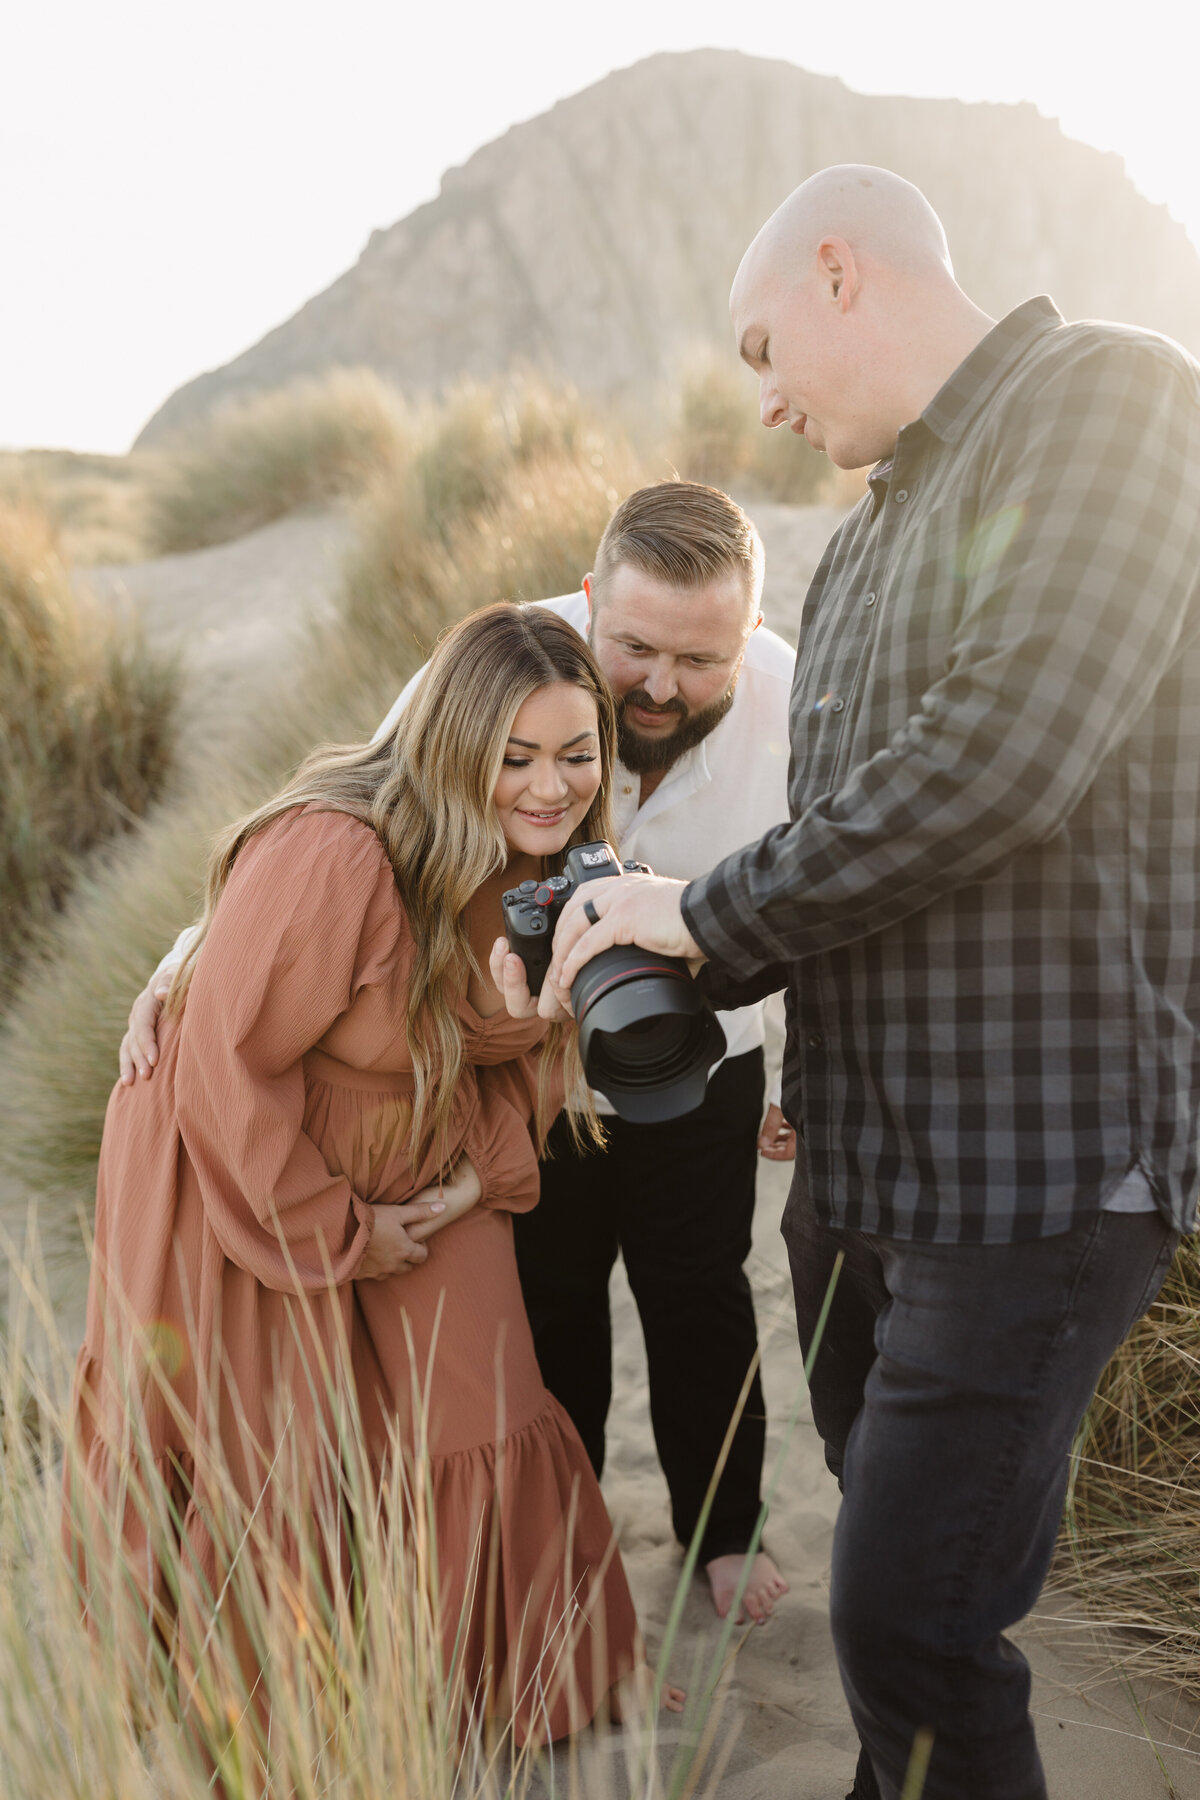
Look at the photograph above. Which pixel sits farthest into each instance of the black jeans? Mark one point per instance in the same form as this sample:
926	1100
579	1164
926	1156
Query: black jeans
677	1200
948	1388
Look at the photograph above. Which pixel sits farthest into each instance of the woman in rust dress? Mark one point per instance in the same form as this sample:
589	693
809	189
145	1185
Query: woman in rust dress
314	1193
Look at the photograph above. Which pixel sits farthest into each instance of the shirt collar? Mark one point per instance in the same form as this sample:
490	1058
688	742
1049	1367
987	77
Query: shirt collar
972	384
990	363
687	773
878	480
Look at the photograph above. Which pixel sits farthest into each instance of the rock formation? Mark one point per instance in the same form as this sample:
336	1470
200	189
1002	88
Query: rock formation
598	241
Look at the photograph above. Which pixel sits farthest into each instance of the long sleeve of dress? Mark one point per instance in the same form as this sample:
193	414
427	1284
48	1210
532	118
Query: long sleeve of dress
499	1140
305	901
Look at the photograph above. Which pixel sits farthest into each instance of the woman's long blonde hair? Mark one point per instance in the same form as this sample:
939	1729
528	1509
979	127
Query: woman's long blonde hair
427	790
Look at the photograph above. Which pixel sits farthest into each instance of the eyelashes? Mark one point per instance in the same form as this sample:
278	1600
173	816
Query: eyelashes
523	762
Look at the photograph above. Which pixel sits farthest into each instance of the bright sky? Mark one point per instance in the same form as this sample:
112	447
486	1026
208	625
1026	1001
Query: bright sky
177	178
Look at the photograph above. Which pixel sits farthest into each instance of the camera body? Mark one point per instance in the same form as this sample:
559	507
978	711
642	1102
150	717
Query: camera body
647	1037
531	910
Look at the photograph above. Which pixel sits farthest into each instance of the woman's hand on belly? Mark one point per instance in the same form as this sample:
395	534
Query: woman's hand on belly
458	1195
395	1247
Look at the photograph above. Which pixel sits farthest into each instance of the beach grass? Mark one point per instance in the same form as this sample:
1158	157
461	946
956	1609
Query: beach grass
97	504
495	498
258	459
1133	1514
313	1663
309	1655
87	714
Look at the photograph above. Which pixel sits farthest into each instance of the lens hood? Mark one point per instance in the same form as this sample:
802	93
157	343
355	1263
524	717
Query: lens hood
647	1038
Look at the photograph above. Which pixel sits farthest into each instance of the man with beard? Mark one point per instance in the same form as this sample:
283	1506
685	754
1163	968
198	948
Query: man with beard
672	612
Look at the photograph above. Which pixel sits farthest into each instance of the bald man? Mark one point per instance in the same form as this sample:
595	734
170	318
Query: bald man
985	914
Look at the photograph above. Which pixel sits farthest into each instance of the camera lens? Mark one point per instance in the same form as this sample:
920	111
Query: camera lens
647	1038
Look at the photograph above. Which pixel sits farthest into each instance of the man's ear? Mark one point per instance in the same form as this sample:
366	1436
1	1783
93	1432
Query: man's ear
587	588
839	270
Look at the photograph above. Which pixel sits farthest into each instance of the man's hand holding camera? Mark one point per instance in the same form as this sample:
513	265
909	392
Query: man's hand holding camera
637	909
647	1037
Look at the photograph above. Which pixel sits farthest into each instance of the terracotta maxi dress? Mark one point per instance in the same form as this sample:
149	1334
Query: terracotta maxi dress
248	1170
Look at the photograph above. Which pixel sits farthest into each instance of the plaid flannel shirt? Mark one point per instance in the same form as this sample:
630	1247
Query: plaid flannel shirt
985	909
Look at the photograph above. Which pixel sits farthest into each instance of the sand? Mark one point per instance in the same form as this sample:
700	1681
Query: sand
235	613
783	1730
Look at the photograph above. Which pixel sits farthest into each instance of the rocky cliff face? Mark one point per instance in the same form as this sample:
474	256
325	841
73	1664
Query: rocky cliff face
599	240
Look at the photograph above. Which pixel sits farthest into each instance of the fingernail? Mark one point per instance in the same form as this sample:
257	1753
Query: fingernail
437	1205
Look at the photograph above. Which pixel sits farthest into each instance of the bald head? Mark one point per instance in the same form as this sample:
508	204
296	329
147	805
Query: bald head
846	306
883	218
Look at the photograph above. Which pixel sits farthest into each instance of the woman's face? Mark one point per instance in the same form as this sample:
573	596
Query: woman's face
551	769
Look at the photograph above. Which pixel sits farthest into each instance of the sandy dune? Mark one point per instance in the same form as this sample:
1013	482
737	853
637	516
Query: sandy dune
232	610
235	612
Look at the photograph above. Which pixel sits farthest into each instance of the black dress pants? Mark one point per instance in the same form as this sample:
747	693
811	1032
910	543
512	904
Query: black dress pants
677	1200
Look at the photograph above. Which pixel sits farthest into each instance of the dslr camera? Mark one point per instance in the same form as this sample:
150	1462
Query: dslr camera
647	1038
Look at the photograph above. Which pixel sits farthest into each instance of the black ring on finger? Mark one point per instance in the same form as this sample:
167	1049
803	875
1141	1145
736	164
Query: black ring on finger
590	913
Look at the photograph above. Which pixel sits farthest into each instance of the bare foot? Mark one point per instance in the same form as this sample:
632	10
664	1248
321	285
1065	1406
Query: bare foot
632	1695
763	1588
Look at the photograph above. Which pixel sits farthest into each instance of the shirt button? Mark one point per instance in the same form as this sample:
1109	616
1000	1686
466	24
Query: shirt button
901	496
627	789
815	1040
836	705
871	599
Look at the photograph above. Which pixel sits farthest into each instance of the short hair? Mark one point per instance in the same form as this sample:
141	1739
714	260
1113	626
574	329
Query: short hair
684	534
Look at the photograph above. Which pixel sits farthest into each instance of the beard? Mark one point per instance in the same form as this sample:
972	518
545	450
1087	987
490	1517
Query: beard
649	756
